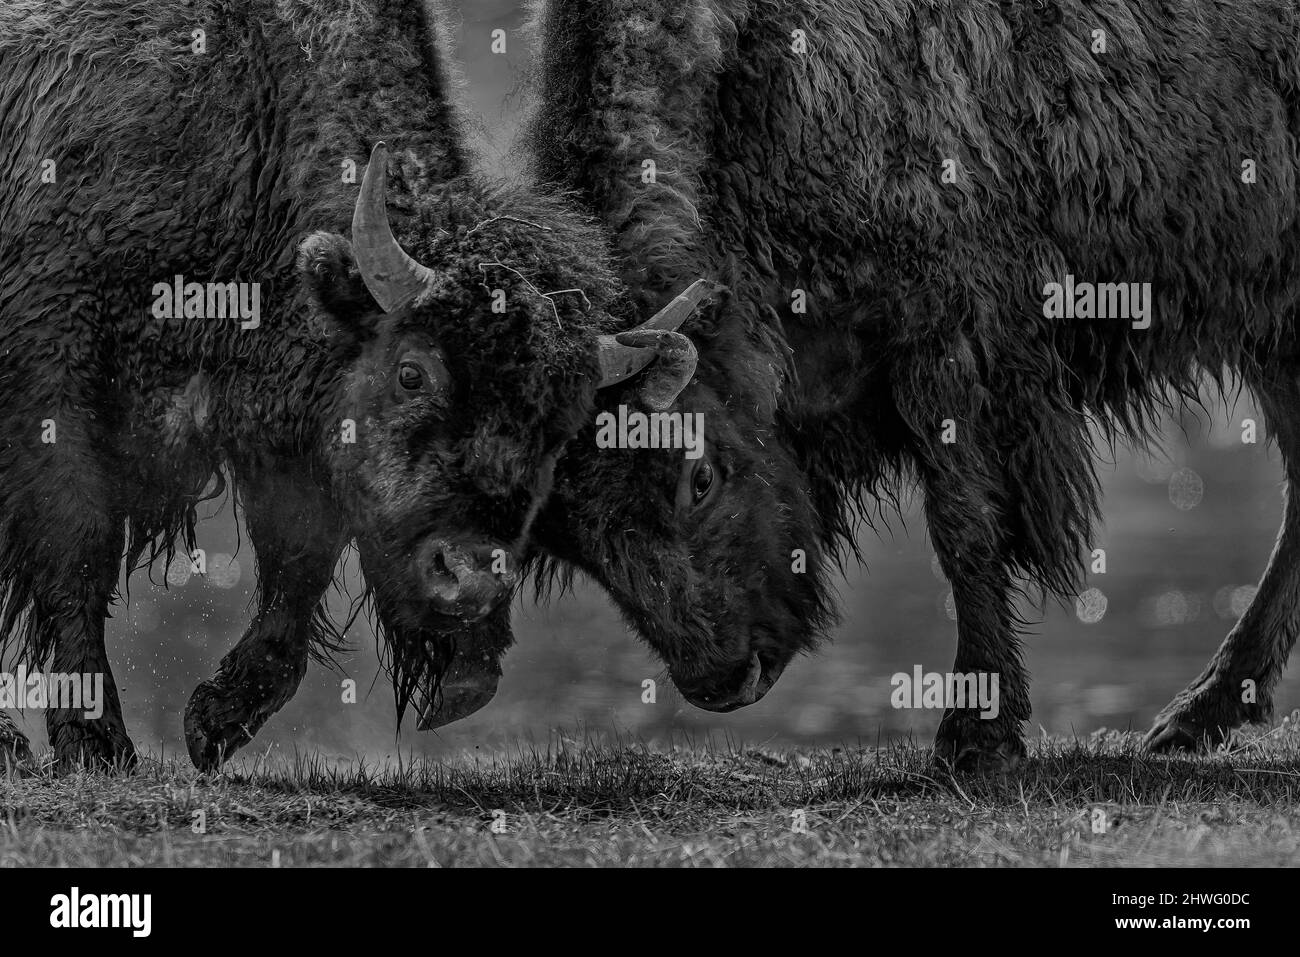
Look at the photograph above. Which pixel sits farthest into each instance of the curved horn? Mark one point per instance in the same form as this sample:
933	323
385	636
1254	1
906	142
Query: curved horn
392	277
674	365
620	361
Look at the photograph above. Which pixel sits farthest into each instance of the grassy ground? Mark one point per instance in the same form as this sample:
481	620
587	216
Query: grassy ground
599	804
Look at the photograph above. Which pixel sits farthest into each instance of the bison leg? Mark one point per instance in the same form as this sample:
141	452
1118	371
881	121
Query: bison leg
70	614
296	534
14	749
62	534
967	543
78	740
1237	685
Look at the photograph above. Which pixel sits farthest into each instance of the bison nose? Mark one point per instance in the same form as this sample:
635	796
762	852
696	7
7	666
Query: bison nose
466	581
741	686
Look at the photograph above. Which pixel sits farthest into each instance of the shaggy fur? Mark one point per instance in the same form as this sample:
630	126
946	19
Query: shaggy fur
821	170
215	166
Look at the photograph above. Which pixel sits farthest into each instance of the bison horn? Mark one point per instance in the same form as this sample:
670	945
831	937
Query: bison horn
672	372
392	277
627	353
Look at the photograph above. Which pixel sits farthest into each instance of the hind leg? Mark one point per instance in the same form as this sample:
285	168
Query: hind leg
297	536
1256	649
73	572
61	541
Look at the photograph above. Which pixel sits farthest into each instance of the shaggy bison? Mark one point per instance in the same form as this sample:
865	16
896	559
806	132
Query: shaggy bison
900	197
165	327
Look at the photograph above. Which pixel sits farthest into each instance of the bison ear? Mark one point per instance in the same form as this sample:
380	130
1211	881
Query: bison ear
333	281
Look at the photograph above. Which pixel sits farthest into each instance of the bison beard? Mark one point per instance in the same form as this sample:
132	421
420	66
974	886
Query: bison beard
213	165
820	170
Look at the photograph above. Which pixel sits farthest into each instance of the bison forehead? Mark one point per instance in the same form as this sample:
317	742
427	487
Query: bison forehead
500	465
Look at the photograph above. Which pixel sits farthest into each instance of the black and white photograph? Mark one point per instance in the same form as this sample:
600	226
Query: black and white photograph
710	434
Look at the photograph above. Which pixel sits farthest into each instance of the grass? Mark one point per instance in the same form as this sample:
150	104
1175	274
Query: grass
589	803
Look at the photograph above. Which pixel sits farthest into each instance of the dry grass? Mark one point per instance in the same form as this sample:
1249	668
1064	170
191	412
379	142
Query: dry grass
590	803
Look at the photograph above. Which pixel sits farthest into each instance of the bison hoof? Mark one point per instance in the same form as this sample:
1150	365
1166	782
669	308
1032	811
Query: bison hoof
1200	718
92	745
216	726
979	752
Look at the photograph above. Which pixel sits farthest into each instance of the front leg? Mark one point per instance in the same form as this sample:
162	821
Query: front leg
298	536
1254	654
966	537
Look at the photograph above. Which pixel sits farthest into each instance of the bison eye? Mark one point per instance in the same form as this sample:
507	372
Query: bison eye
703	481
410	376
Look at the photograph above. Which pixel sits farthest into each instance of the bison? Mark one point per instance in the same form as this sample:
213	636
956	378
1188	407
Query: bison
895	195
166	329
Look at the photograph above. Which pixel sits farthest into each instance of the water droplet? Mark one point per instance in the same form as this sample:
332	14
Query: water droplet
1091	606
223	570
1185	489
178	571
1242	596
1176	608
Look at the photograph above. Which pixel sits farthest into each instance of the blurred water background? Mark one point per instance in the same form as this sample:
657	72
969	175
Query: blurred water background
1186	535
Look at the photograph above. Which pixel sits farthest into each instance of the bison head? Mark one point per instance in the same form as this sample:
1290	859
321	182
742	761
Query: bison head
463	368
714	557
